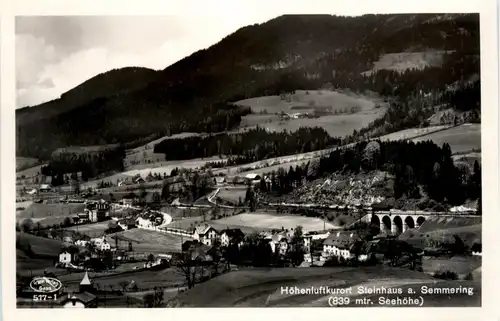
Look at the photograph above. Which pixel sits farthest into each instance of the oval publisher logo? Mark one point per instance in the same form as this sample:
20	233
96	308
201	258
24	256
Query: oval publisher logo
45	284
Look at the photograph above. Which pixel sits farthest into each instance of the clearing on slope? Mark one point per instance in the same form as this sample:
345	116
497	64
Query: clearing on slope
338	113
466	137
402	61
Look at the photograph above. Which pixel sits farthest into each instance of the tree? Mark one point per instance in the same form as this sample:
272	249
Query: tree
479	208
27	225
263	185
67	222
250	198
75	184
297	252
130	249
165	191
216	254
151	258
149	300
188	265
156	197
123	284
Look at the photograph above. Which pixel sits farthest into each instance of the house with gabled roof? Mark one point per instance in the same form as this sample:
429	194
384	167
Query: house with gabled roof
231	235
340	244
206	234
44	188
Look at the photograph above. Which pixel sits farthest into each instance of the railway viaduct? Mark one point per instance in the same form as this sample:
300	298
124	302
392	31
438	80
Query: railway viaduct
398	222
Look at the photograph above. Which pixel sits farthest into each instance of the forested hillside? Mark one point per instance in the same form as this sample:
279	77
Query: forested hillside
282	55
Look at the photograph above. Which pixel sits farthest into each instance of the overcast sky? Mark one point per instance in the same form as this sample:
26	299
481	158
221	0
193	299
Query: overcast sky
55	54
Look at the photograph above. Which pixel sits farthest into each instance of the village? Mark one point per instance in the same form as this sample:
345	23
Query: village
308	156
226	248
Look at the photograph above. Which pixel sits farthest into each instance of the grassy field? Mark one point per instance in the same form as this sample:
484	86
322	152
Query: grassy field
461	265
463	138
48	214
355	111
261	287
412	133
25	163
310	99
185	223
148	241
469	234
232	195
334	125
28	172
468	158
274	221
92	230
270	169
161	168
402	61
45	251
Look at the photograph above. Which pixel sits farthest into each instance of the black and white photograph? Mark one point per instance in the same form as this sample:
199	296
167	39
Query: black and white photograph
270	160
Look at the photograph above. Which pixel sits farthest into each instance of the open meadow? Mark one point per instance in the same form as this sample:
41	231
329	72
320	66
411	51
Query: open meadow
411	133
308	99
43	253
92	230
274	221
261	287
232	194
29	172
346	111
466	137
148	241
25	163
49	214
461	265
469	234
401	61
334	125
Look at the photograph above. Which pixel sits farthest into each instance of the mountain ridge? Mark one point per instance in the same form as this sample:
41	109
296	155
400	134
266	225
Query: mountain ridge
191	92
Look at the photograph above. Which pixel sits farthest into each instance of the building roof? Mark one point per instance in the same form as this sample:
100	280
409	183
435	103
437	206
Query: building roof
84	297
278	237
137	179
252	176
127	221
220	179
342	239
86	279
233	232
175	179
45	186
203	229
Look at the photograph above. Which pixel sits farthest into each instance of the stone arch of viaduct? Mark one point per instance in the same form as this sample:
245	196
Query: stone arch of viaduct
396	223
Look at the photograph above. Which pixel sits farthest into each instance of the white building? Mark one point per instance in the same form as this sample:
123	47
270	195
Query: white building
101	244
65	257
206	234
231	235
81	243
253	178
339	244
45	188
278	242
144	223
307	242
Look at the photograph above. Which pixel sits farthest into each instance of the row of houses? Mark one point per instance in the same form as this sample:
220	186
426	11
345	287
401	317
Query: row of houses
337	243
